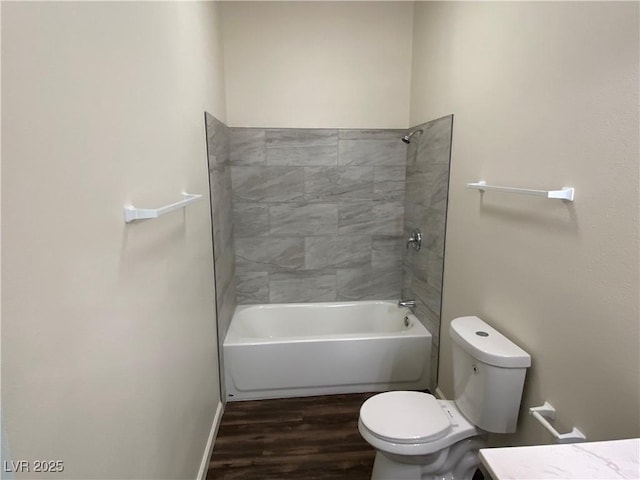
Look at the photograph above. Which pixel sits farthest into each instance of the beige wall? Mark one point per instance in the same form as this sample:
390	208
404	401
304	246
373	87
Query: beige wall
318	64
544	95
109	358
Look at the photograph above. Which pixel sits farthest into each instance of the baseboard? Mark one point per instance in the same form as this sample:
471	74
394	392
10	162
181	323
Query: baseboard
439	394
204	464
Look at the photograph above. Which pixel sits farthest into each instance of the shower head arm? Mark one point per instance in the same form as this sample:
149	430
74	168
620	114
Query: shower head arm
407	138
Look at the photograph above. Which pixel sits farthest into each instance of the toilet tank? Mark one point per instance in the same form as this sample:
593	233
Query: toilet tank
488	375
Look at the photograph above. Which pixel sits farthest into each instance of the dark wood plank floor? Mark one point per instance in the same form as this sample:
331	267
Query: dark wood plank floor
294	439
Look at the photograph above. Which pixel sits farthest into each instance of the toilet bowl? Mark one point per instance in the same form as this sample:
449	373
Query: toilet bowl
419	437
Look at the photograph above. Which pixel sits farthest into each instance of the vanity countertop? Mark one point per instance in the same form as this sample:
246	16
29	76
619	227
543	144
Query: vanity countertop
591	460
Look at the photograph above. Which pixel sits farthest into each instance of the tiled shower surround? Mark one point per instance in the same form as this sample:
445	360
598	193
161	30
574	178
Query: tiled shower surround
323	215
221	224
427	187
317	214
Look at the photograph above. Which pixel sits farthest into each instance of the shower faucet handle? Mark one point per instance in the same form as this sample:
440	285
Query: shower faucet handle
415	240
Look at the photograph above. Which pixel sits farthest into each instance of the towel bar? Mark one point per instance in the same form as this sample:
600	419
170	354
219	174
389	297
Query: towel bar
547	410
132	213
565	193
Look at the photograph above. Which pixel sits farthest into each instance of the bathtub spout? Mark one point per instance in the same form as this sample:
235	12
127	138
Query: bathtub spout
410	303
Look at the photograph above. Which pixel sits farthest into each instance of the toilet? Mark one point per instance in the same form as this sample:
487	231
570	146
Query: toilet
419	437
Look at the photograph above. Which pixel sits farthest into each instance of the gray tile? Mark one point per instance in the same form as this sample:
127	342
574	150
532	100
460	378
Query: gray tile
355	218
247	146
335	251
387	252
267	184
429	208
220	183
267	254
438	190
426	200
432	323
217	141
407	291
300	137
218	156
429	319
389	218
412	155
417	188
250	219
414	162
425	207
427	294
220	169
225	289
427	184
221	216
424	162
433	156
416	262
226	306
371	153
371	134
209	121
314	155
302	287
303	219
433	237
389	183
372	218
224	269
252	287
326	266
437	133
368	284
415	216
435	270
337	184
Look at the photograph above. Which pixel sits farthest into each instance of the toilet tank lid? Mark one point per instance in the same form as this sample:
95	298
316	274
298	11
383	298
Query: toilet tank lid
487	344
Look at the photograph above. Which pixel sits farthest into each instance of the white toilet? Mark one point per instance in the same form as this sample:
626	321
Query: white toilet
418	437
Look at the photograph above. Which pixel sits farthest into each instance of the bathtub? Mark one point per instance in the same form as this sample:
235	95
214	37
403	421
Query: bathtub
302	349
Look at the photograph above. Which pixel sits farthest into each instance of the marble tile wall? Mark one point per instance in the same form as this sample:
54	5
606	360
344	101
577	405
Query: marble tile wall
221	218
427	186
318	214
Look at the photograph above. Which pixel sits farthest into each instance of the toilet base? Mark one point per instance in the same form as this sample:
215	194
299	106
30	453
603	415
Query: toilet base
386	469
457	462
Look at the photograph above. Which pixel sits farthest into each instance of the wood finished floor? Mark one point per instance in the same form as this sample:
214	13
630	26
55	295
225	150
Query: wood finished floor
310	438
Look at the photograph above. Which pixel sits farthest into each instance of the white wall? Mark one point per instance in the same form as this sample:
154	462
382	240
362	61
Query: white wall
318	64
545	94
108	331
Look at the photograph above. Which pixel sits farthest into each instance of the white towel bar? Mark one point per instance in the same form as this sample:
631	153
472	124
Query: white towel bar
547	410
132	213
565	193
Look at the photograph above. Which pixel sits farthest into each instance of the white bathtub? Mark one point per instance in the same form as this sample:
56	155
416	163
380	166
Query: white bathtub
301	349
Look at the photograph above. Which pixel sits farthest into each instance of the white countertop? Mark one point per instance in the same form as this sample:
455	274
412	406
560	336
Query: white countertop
591	460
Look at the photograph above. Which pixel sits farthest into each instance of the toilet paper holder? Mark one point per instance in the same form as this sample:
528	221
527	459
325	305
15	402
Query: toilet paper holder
545	411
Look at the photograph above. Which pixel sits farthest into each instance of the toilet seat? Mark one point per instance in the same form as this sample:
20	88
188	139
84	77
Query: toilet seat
388	430
405	417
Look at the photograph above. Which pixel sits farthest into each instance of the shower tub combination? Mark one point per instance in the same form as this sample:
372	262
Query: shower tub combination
302	349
